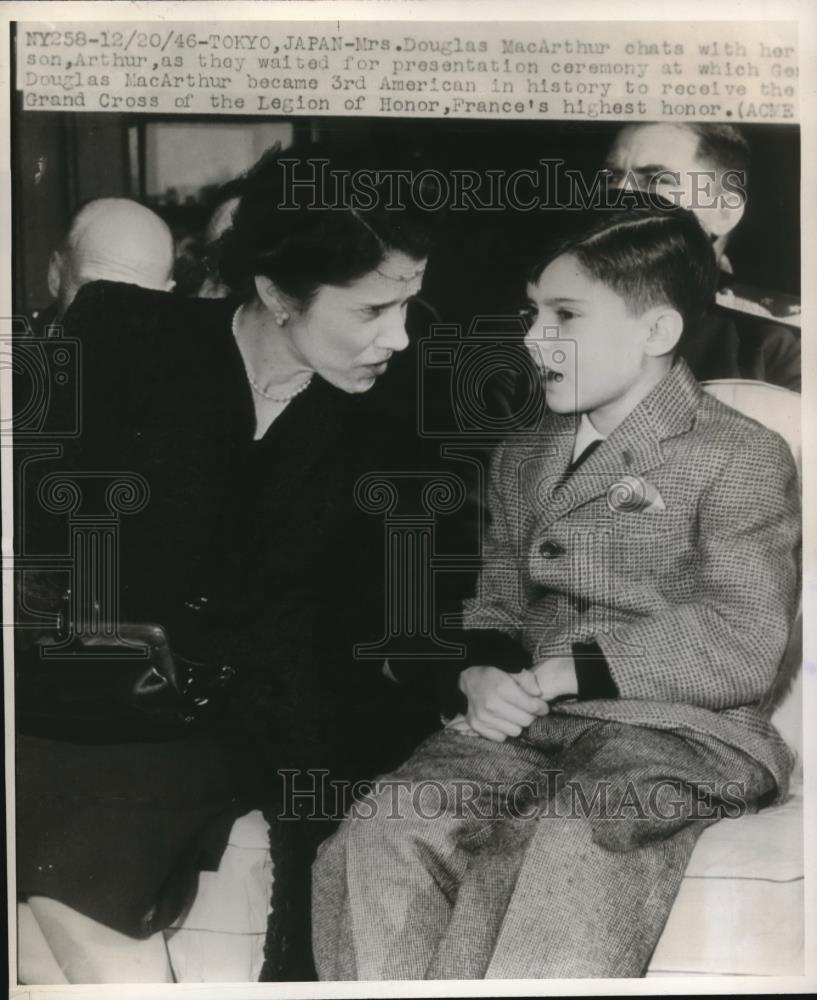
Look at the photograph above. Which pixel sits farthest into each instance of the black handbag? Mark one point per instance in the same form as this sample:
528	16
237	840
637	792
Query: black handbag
129	686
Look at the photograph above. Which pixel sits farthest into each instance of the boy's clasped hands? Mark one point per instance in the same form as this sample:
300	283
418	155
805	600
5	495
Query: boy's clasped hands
502	704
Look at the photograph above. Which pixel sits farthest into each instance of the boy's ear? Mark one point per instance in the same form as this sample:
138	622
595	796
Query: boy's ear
665	328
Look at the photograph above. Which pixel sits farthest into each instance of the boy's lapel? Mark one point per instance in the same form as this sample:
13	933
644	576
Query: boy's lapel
543	463
634	448
634	452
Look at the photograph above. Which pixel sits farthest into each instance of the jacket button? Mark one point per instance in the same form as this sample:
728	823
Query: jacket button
551	549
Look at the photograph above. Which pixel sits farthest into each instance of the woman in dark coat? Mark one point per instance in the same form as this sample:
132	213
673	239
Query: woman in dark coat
247	420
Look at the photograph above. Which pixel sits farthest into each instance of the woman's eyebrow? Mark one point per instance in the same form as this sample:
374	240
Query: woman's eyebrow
387	303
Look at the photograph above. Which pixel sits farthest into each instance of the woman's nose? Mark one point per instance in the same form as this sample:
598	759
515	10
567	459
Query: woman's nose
394	336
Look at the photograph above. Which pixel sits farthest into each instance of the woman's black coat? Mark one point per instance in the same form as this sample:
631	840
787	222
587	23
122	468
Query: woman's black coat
267	530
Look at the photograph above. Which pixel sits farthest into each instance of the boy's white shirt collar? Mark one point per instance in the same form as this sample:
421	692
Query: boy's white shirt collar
586	434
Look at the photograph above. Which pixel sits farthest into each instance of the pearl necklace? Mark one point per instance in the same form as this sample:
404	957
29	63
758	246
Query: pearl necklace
256	388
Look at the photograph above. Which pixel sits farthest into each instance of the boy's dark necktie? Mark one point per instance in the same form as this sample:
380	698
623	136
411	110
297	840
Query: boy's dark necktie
581	458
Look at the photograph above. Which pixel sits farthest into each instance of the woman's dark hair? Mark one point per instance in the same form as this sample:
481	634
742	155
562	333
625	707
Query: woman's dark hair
319	215
648	251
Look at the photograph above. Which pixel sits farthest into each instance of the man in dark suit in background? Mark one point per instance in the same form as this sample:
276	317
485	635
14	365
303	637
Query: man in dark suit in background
705	167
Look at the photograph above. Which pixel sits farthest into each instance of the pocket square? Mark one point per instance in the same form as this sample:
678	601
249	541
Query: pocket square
632	494
656	505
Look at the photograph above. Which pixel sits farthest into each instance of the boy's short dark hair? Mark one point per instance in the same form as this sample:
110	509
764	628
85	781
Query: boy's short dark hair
649	252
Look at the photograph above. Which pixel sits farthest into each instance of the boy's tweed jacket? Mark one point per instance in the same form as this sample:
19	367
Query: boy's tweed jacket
674	547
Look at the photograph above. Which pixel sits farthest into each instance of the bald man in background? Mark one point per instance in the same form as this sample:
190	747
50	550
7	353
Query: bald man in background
111	239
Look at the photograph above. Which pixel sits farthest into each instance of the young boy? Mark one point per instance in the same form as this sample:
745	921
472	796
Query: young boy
639	584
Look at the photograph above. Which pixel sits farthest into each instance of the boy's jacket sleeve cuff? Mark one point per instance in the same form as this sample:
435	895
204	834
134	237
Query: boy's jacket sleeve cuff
439	678
592	672
494	648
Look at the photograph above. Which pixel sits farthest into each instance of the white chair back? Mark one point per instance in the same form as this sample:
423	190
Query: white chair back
779	410
771	405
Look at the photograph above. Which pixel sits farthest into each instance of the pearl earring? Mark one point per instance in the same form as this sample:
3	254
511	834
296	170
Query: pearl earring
281	318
